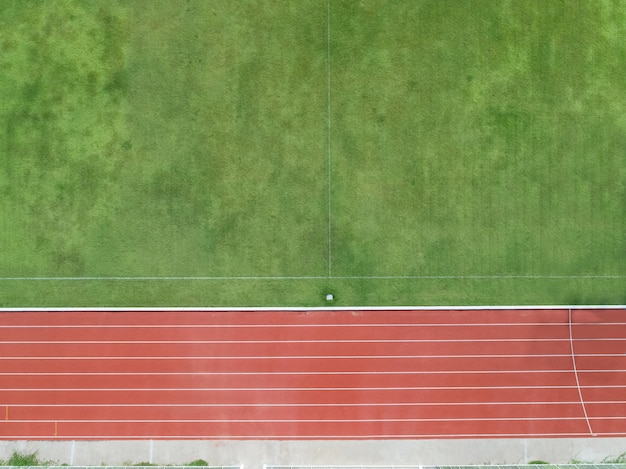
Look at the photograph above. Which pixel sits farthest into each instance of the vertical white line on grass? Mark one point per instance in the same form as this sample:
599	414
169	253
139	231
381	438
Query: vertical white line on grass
580	394
330	252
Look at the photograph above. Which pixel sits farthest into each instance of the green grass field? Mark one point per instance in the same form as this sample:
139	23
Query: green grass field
257	153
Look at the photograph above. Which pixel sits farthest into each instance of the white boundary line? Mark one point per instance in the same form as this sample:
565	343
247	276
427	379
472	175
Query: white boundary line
330	251
356	466
270	325
317	277
446	466
263	309
293	389
425	420
328	404
375	437
291	357
279	341
580	394
292	373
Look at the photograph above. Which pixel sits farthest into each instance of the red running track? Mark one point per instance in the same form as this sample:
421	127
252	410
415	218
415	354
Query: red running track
312	374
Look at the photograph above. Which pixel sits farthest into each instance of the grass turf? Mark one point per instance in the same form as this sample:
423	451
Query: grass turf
190	138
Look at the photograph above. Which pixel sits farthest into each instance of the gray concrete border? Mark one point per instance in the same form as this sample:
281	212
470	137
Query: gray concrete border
254	454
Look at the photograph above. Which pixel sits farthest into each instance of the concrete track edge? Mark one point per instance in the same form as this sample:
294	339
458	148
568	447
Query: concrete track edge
256	453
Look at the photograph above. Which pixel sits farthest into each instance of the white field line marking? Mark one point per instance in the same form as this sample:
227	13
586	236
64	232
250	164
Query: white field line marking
368	325
330	252
302	388
310	373
291	437
580	394
314	277
477	419
348	466
263	373
278	341
354	466
332	404
290	389
302	357
287	373
261	326
321	341
276	309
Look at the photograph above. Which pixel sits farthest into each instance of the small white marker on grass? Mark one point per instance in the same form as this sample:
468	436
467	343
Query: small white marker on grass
330	297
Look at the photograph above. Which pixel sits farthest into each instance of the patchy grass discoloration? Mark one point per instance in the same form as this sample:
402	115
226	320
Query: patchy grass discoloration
191	139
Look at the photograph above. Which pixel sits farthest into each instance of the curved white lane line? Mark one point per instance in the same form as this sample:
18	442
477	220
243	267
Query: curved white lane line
580	394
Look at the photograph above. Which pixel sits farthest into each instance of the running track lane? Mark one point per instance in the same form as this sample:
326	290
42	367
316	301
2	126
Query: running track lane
313	375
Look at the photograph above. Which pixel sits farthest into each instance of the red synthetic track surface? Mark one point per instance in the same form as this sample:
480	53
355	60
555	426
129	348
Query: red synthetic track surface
313	375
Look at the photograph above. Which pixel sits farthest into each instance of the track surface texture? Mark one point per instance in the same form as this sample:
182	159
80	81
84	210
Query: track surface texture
319	374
